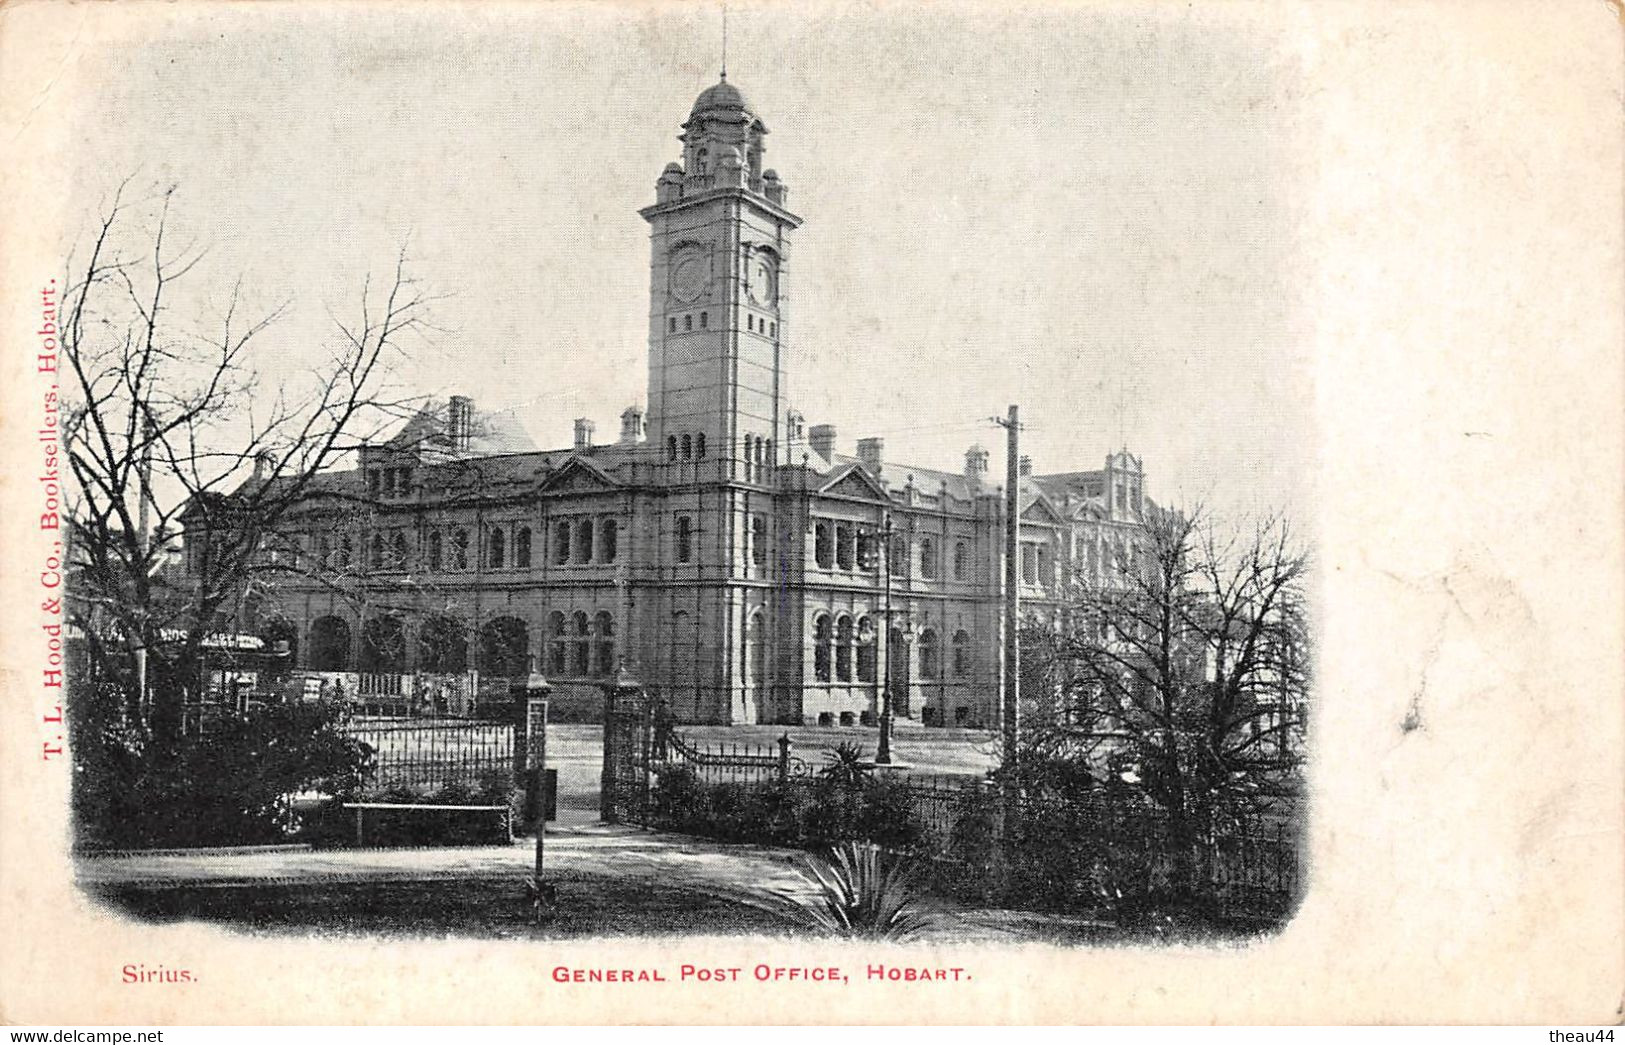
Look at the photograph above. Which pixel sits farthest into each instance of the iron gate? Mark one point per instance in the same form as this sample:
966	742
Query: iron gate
628	738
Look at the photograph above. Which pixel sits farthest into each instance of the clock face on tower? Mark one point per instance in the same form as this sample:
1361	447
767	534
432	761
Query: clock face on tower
687	275
761	277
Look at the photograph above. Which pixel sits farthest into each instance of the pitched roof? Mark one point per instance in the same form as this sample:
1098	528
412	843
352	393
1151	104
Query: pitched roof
492	432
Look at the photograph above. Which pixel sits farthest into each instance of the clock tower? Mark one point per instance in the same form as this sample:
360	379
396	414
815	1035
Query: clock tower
719	241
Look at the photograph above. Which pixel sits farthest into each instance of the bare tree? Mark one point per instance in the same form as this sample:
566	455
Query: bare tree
171	429
1188	670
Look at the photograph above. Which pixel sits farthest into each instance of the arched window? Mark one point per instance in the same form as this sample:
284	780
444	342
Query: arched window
866	650
961	560
383	646
344	552
868	559
504	648
608	538
772	330
821	648
671	442
699	445
521	548
843	649
329	644
498	550
561	542
324	551
928	558
688	322
436	553
399	549
930	654
459	550
376	560
584	541
581	648
705	320
750	322
443	645
673	328
843	546
961	654
688	447
555	643
604	634
758	540
823	548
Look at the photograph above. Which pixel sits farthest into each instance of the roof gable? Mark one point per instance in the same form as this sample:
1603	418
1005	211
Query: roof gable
855	481
1041	510
578	476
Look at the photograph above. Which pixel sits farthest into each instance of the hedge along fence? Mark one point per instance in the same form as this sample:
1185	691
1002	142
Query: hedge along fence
1077	852
803	812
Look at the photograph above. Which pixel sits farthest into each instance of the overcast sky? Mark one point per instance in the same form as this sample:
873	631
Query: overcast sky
1090	217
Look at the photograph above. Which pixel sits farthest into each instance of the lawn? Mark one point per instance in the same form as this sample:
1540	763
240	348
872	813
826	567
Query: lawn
589	905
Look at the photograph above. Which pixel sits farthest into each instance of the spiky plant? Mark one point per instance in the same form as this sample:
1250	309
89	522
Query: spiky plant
844	764
861	893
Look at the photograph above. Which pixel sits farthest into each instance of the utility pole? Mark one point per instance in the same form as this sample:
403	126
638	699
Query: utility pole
1012	587
883	751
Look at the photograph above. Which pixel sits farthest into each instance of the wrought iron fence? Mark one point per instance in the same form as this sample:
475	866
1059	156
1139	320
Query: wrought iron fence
437	752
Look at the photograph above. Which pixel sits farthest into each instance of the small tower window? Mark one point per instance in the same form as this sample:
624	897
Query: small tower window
750	322
673	327
688	447
705	320
688	322
685	546
772	330
699	445
671	442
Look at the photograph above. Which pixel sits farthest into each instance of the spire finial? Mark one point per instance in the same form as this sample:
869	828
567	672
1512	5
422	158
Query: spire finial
724	43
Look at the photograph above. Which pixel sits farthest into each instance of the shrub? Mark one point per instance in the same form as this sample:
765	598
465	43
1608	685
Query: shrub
861	892
233	786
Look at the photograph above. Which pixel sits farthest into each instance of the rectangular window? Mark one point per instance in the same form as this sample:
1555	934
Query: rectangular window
843	546
685	539
372	482
758	540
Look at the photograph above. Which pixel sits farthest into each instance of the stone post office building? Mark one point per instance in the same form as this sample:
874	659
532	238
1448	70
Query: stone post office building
733	558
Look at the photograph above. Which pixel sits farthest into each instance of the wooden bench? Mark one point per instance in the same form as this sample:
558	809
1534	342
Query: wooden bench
362	808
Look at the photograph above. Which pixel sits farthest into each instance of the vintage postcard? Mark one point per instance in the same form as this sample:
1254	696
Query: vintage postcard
832	513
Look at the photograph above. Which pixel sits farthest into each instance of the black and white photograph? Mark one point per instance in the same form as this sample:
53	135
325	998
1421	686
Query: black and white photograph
734	501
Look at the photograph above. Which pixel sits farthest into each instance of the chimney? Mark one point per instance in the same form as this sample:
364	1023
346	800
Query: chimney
976	463
822	439
584	427
870	451
460	421
632	425
1026	465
